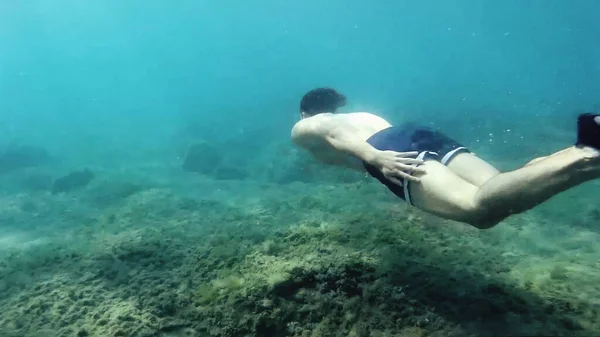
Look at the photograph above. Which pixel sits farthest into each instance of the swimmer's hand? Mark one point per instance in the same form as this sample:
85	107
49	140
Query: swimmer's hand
396	166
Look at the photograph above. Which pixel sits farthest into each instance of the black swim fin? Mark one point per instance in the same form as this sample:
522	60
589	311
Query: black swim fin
588	130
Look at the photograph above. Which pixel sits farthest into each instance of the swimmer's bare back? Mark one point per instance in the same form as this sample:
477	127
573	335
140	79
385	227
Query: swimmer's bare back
361	125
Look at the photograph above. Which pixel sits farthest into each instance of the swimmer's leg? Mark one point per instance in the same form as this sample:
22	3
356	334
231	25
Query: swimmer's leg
588	133
443	193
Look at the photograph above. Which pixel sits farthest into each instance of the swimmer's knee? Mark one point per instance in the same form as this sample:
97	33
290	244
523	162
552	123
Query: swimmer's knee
484	223
483	216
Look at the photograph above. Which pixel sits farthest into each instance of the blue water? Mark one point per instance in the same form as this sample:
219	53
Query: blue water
93	70
124	87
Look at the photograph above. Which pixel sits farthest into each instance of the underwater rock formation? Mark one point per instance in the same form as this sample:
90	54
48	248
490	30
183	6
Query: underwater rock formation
229	172
72	181
202	158
16	157
206	159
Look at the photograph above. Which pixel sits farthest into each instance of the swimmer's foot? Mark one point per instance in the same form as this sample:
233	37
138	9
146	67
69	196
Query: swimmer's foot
588	130
588	142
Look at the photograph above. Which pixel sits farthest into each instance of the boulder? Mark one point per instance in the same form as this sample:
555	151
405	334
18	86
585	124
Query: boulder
72	181
202	158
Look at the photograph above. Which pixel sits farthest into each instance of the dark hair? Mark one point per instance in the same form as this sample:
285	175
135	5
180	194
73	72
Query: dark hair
321	100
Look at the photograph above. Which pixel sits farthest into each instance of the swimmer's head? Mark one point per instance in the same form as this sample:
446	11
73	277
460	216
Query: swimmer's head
321	100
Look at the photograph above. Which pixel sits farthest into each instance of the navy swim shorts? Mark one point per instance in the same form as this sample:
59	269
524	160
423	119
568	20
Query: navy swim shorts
428	143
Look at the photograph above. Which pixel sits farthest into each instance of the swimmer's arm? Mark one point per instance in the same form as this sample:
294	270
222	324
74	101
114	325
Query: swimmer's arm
319	134
311	136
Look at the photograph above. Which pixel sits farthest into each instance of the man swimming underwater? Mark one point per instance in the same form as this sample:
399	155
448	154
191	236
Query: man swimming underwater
435	173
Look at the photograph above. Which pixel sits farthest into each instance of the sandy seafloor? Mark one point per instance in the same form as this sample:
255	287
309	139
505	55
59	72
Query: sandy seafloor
187	255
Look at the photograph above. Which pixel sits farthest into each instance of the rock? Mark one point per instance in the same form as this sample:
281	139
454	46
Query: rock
228	172
21	156
72	181
108	192
202	158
